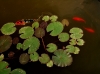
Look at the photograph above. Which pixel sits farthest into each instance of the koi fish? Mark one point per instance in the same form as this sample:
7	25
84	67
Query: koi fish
89	30
79	19
20	22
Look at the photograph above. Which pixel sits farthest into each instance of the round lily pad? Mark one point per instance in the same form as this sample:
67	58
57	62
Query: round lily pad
3	65
61	58
1	57
70	49
46	18
5	71
50	63
18	71
24	58
63	37
53	18
32	43
26	32
72	42
77	50
39	32
5	43
76	36
19	46
80	42
35	25
44	58
65	22
51	47
8	28
55	27
34	57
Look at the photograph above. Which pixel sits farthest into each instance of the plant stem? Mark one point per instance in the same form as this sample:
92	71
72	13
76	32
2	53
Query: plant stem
43	42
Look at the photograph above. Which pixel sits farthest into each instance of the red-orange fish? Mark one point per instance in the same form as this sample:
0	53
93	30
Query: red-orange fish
89	30
79	19
20	22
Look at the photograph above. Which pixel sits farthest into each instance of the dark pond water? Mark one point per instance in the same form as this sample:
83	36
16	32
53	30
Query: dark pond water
87	61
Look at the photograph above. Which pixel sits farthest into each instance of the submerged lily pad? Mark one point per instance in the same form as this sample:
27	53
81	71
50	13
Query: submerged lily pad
63	37
32	43
15	40
65	22
44	58
61	58
53	18
34	57
39	32
45	18
35	25
55	27
3	65
51	47
8	28
5	71
5	43
11	54
18	71
26	32
1	57
50	63
43	25
24	58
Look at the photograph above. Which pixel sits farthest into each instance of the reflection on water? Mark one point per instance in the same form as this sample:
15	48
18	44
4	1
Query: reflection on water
89	58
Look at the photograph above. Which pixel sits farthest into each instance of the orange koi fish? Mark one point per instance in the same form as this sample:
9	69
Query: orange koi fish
20	22
89	30
79	19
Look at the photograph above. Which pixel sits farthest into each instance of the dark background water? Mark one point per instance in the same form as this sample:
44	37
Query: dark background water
87	61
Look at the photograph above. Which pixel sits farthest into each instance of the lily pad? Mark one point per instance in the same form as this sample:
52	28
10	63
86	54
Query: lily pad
61	58
46	18
39	32
44	58
65	22
32	43
80	42
50	63
1	57
76	36
51	47
72	42
5	71
53	18
18	71
8	28
63	37
43	25
55	27
5	43
26	32
77	50
34	57
35	25
3	65
70	49
19	46
24	58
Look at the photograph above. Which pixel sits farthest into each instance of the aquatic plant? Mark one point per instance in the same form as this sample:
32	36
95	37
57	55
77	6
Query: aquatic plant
1	57
46	18
35	25
65	22
18	71
34	57
53	18
15	40
50	63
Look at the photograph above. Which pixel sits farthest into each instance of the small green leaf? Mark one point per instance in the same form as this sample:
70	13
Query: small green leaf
19	46
44	58
53	18
8	28
34	57
50	63
3	64
63	37
26	32
76	36
1	57
35	25
77	50
45	18
18	71
80	42
51	47
5	71
55	27
72	42
70	49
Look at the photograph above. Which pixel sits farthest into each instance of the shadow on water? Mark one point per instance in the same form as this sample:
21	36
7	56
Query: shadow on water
87	61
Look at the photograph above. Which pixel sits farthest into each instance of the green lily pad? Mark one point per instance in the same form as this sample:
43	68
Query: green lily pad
46	18
61	58
50	63
76	30
77	50
1	57
76	36
32	43
51	47
63	37
72	42
44	58
80	42
39	32
55	27
19	46
24	58
70	49
26	32
5	43
18	71
3	65
65	22
53	18
34	57
35	25
5	71
8	28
